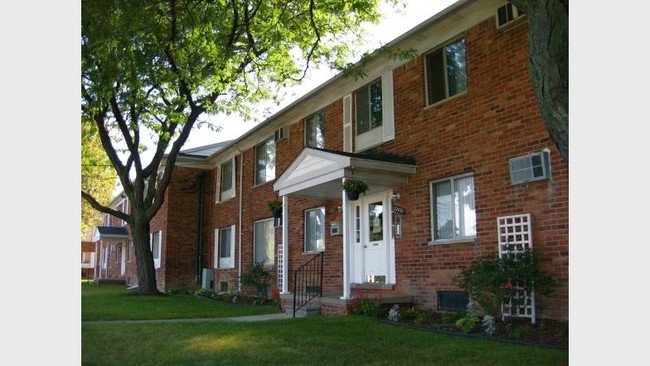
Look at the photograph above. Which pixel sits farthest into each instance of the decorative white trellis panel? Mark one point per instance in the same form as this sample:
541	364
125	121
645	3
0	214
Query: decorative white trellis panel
515	235
280	266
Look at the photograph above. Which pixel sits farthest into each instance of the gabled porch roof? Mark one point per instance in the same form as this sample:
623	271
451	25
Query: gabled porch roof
318	173
110	233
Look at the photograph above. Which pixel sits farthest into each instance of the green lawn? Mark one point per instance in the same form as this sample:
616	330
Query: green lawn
114	302
350	340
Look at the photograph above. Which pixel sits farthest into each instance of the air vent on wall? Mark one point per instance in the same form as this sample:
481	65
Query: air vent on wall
531	167
281	133
506	14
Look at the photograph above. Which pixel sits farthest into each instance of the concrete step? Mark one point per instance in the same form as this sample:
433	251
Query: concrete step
310	309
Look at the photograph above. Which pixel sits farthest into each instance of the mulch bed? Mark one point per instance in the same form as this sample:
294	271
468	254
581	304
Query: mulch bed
545	333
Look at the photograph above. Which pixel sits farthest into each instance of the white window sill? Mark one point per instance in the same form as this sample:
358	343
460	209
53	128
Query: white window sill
313	252
226	199
452	241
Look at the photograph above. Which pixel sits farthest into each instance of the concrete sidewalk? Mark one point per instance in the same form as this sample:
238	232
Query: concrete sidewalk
242	319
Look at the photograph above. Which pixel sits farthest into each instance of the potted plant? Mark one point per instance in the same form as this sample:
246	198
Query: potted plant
354	187
275	206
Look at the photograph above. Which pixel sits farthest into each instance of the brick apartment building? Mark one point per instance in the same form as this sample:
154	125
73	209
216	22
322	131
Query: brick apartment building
450	143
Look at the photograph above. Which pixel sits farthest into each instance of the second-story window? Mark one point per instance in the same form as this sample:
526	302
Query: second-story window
369	107
446	70
265	161
315	130
227	181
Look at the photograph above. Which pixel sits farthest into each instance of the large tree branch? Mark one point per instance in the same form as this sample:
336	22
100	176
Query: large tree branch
105	209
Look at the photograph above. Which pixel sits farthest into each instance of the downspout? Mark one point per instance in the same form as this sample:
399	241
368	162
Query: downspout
241	209
199	230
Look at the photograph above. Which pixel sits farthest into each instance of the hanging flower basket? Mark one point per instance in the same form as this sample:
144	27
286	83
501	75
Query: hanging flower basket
276	207
353	188
352	195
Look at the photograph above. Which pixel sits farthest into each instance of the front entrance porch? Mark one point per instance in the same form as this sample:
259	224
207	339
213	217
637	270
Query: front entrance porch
367	228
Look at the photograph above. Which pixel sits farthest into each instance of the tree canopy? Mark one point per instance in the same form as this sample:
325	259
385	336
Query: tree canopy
158	67
97	176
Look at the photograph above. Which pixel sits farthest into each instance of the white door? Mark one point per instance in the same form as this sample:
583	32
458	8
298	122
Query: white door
372	238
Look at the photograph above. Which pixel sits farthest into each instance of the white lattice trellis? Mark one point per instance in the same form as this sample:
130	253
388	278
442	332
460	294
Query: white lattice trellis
280	265
515	235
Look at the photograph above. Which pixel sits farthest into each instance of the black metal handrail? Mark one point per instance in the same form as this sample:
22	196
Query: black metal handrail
308	282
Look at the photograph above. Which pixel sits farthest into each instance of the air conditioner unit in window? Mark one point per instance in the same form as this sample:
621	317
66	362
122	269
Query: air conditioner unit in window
506	14
531	167
281	134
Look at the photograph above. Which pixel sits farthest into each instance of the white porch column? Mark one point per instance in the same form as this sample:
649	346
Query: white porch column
95	264
347	235
285	244
101	257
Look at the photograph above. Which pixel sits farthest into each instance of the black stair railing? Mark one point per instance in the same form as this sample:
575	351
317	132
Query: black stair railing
308	282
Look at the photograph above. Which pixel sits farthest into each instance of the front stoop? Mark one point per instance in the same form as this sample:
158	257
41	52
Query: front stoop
333	305
311	309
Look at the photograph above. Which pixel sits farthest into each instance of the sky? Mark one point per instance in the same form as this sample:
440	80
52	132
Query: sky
394	22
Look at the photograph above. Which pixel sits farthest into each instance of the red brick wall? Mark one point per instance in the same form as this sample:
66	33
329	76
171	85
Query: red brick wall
478	132
180	237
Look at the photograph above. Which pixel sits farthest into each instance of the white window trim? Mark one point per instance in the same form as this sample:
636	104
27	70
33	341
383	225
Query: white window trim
156	261
224	263
444	59
432	206
386	132
229	194
311	117
272	244
255	182
305	231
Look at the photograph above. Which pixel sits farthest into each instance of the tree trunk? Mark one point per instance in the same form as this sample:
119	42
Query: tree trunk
144	259
548	53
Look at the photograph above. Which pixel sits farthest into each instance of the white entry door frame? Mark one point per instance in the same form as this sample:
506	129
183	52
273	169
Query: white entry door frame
372	242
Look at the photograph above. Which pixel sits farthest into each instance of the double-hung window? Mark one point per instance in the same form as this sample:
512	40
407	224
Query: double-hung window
446	71
224	247
226	181
374	120
315	229
156	246
315	130
453	210
369	107
265	161
264	242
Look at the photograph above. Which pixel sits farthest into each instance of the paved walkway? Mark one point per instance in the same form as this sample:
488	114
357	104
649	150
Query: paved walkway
243	319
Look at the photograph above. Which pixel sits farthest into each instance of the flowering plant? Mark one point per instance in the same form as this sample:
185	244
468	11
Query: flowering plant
363	305
493	281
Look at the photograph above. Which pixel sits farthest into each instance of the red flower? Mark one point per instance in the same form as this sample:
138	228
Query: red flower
508	285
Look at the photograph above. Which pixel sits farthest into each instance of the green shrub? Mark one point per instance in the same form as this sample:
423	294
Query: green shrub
492	281
518	331
422	317
203	292
467	323
409	313
452	318
258	278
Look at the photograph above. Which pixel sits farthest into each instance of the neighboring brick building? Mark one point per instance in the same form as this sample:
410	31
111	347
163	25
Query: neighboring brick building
451	144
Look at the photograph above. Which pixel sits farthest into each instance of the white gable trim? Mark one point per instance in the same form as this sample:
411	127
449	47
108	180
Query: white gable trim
318	173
